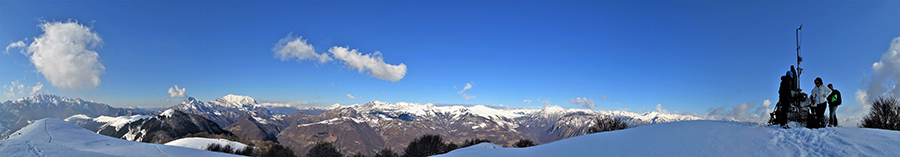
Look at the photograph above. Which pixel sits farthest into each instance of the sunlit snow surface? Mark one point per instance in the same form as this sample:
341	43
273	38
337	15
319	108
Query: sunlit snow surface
202	143
709	138
54	137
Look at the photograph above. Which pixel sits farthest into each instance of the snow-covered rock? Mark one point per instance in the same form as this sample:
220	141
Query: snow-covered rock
709	138
54	137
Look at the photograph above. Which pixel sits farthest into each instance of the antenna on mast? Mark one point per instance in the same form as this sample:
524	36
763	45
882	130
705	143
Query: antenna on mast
799	59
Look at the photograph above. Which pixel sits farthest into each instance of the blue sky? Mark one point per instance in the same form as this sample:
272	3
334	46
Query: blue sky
684	56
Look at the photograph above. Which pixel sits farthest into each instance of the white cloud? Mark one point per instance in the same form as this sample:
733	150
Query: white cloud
15	88
661	110
743	112
65	55
882	82
602	97
291	47
463	94
527	101
468	86
583	102
467	96
37	89
18	44
350	96
373	63
175	92
546	103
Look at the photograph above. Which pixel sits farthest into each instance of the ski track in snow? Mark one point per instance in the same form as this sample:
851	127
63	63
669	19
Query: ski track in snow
48	132
160	151
33	149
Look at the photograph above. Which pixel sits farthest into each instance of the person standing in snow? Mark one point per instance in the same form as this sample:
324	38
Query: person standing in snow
834	100
819	98
784	98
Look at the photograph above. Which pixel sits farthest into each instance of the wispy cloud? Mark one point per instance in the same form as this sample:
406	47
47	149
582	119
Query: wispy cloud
463	94
351	96
546	103
14	89
468	86
291	47
176	92
65	54
527	101
583	102
17	44
743	112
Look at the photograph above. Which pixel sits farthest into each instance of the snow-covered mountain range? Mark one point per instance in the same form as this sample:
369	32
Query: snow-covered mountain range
17	114
54	137
356	128
396	124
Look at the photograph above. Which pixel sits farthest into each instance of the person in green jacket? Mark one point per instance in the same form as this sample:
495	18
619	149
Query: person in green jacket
834	100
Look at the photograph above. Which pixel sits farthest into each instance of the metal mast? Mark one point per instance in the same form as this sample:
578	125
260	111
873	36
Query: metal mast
797	34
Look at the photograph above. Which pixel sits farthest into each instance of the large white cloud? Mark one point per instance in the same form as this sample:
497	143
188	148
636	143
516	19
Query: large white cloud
291	47
583	102
882	83
175	92
373	63
65	54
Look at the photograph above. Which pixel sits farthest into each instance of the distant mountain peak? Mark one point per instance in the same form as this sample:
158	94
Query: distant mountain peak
237	99
48	98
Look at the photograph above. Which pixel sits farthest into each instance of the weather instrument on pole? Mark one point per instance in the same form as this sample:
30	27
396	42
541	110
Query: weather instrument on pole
799	59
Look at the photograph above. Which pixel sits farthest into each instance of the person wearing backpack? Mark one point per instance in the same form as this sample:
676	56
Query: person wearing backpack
834	100
784	98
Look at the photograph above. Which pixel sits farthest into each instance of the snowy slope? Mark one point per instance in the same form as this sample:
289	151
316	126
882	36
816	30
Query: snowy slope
709	138
54	137
202	143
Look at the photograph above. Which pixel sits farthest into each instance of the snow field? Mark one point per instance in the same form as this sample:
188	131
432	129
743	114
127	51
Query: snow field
709	138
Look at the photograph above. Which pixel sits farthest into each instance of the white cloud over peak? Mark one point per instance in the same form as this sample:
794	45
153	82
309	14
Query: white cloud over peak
882	82
175	92
291	47
583	102
65	54
660	109
743	112
373	63
350	96
15	88
18	44
546	103
527	101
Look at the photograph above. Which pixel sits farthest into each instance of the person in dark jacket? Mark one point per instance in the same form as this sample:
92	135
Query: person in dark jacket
794	82
784	98
834	100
